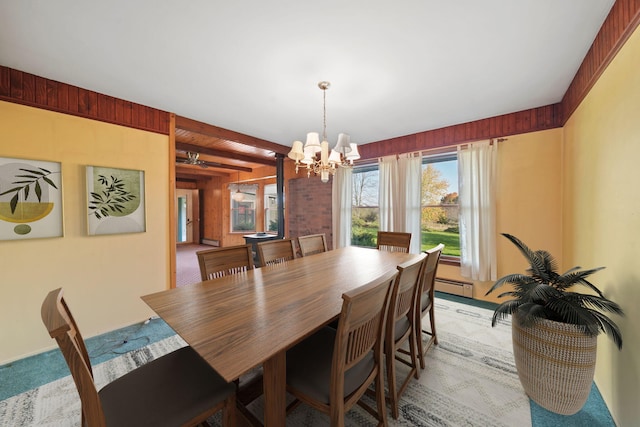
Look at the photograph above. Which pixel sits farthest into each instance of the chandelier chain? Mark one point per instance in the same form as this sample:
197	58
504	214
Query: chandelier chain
324	114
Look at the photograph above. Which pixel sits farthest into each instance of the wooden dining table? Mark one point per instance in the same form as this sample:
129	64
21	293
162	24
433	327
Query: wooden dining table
241	321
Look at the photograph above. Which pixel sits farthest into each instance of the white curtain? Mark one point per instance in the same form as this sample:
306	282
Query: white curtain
387	192
341	207
477	182
399	196
410	181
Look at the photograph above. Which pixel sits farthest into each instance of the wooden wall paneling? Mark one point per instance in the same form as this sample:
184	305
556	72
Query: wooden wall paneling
41	91
52	93
532	120
229	135
74	100
28	89
622	20
5	82
16	85
63	97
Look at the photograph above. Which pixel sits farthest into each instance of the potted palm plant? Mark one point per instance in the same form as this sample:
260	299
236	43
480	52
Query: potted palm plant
555	330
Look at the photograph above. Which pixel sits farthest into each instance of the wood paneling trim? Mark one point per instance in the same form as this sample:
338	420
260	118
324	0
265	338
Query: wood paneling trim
173	226
536	119
229	135
622	20
28	89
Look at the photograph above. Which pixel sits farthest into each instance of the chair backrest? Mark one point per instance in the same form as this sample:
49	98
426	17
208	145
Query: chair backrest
312	244
405	292
276	251
391	241
361	329
60	324
219	262
430	269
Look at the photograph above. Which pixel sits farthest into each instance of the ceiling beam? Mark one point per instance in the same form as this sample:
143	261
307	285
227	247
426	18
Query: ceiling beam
229	135
214	165
197	171
221	153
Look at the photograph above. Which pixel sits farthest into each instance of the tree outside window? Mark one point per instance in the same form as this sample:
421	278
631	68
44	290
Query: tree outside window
439	200
364	211
439	219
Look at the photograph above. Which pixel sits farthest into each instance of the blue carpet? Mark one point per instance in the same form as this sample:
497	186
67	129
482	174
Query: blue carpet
34	371
594	413
31	372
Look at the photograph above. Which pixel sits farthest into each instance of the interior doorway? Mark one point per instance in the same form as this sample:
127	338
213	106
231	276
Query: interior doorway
187	216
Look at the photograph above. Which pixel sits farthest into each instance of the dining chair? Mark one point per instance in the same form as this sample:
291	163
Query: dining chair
276	251
425	300
219	262
332	369
400	328
312	244
393	241
177	389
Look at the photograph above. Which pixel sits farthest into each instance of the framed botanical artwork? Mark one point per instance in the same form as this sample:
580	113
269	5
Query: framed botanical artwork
30	199
115	200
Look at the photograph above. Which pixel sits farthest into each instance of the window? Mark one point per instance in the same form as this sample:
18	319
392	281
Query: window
243	213
439	200
270	208
439	217
364	210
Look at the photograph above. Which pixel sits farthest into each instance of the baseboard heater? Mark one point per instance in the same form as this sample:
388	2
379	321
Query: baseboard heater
211	242
455	287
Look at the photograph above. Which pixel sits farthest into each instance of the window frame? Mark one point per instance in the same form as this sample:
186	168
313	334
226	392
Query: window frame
233	213
447	156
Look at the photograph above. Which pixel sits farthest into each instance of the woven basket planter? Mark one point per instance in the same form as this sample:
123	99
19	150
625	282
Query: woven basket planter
555	363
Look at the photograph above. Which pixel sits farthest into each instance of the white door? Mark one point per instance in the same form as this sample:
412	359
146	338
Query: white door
184	216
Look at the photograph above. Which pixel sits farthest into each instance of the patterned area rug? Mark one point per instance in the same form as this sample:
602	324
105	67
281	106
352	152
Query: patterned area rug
470	380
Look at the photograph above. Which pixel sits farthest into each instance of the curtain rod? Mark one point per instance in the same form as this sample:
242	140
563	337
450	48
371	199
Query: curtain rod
439	150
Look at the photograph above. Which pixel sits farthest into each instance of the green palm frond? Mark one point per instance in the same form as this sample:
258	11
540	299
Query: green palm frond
542	293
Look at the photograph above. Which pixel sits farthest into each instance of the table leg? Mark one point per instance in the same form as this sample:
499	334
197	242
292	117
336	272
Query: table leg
275	389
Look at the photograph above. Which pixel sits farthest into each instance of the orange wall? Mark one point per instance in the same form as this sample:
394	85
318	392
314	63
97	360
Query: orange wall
601	217
103	276
529	203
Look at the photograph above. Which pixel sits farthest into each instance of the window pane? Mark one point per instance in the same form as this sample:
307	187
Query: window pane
439	222
364	211
243	214
439	195
270	208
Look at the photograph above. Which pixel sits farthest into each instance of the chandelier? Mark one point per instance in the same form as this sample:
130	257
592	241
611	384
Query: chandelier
342	155
238	196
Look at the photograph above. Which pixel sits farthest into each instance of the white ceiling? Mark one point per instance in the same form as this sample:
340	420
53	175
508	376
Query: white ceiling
252	66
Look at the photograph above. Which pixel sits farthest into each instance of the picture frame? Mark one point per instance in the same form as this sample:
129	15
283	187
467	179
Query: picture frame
30	199
115	201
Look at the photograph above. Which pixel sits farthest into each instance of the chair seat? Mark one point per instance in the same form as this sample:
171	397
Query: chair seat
167	391
425	301
401	327
309	367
